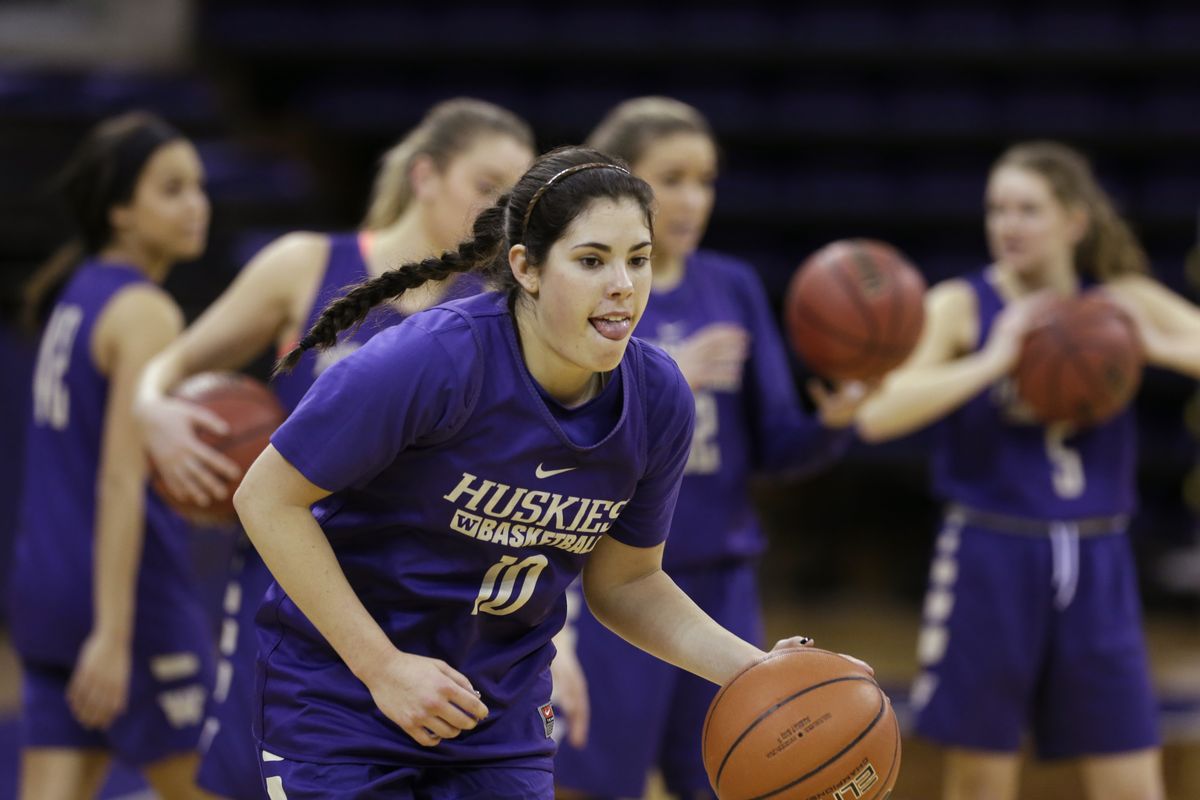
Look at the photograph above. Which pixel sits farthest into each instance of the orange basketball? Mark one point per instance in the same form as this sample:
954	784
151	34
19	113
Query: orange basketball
855	309
802	724
252	412
1082	363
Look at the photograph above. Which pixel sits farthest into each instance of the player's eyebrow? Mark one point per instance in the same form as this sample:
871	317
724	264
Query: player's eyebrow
594	245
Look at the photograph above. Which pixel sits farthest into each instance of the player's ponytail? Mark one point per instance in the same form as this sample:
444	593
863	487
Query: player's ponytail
541	206
1108	247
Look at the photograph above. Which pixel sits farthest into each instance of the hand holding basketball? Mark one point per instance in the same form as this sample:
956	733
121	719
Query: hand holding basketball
190	470
800	723
204	437
1081	363
714	356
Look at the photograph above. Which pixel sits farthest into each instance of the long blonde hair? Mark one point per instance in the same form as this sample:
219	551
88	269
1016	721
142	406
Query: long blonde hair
1109	247
446	130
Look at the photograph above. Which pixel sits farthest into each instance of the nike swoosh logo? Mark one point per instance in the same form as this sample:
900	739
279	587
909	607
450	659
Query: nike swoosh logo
550	473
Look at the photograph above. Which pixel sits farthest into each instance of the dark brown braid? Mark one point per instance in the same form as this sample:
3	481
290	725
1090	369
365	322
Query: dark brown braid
535	214
480	250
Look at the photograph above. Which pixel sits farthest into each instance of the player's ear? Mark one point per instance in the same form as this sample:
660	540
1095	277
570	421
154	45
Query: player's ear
119	217
423	176
522	270
1078	222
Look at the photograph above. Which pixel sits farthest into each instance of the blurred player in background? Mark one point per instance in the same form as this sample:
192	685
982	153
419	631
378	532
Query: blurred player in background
463	154
465	466
1033	620
627	712
110	630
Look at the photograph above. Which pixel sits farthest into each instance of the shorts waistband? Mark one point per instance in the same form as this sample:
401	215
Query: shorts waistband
1031	526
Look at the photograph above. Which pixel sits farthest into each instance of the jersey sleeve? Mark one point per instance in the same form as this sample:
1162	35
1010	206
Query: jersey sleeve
403	388
670	417
785	437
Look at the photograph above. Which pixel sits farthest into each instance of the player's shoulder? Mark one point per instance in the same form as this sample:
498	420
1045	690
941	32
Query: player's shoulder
292	252
450	330
953	295
142	305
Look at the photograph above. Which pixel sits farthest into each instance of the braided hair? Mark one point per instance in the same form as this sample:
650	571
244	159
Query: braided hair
537	211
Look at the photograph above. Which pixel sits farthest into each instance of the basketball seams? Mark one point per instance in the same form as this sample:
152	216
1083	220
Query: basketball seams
883	705
884	785
784	701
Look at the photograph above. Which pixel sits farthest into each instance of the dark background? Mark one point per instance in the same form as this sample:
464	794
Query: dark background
864	119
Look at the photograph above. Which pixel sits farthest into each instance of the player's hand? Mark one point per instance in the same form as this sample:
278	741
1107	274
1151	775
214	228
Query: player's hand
1012	324
839	408
426	697
571	693
191	470
714	356
99	687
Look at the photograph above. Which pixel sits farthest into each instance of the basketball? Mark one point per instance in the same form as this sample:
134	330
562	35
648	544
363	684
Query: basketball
802	724
854	309
1081	363
252	412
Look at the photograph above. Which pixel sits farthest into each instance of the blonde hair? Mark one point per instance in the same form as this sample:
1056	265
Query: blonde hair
1109	247
632	126
446	130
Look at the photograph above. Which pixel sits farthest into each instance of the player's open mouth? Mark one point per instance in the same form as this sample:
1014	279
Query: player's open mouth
612	326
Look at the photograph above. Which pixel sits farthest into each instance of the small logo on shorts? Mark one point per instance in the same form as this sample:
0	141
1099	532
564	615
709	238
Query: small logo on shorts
547	712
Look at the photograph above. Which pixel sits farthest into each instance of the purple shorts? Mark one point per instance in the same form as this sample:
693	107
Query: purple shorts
1034	633
300	780
646	713
229	765
165	708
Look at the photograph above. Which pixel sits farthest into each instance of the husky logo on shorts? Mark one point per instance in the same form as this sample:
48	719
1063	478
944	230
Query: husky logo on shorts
547	712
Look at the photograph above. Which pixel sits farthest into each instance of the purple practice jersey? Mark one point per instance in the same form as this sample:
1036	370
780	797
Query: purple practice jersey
757	425
51	592
463	505
346	267
990	455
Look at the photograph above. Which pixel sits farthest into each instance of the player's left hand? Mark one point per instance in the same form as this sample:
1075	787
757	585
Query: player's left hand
99	687
839	407
571	694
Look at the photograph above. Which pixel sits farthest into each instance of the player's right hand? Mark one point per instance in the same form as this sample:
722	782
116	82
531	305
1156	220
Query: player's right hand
570	693
714	356
191	470
426	697
1013	322
98	690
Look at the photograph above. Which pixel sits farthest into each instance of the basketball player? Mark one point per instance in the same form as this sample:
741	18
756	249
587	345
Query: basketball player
105	617
456	162
710	313
462	468
1032	621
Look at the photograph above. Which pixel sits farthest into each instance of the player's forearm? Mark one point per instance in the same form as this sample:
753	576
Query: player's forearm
914	398
161	373
654	614
297	552
117	555
1178	353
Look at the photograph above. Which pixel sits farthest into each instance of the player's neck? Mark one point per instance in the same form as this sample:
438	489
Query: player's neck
403	241
668	269
153	265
